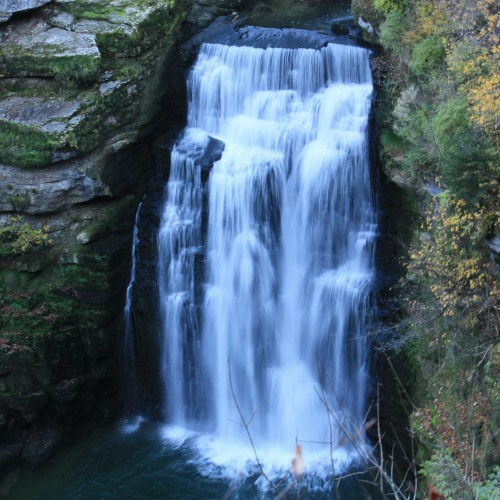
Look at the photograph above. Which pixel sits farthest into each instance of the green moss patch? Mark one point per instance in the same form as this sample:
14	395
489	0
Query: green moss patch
25	146
59	300
68	70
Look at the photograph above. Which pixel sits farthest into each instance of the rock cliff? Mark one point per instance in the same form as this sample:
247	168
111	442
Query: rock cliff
85	87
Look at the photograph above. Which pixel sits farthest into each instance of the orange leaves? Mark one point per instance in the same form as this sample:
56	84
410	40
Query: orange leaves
434	494
298	463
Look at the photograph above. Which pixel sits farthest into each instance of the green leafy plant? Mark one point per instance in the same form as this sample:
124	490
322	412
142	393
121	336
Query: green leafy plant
387	6
20	239
427	54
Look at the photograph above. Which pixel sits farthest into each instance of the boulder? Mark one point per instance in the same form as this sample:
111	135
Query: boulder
10	453
66	391
9	7
40	446
340	28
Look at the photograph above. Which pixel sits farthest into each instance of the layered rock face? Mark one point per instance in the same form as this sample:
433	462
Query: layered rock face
85	87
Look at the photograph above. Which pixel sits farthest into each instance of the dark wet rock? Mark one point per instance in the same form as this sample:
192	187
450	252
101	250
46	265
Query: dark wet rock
205	150
10	453
40	446
66	391
226	32
212	153
340	29
28	403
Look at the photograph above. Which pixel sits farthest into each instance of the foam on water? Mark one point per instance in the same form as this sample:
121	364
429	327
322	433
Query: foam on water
229	460
129	426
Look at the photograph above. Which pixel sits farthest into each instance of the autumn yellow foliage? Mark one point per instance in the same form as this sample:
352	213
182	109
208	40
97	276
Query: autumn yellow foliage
19	238
460	277
440	122
478	26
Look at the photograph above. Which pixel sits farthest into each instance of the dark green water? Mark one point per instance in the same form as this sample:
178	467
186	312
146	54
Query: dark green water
145	465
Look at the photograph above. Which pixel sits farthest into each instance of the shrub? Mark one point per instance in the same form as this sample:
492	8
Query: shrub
466	155
391	32
427	54
387	6
22	239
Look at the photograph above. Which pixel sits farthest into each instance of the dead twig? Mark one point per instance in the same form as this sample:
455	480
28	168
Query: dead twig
245	425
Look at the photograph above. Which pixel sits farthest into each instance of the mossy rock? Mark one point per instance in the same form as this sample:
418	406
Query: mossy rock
103	58
65	69
124	28
24	146
36	131
31	47
26	403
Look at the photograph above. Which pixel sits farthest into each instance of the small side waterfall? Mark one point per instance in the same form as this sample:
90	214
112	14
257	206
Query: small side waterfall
129	358
265	269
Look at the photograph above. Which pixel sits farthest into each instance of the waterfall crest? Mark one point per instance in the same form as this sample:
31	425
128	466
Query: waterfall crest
265	269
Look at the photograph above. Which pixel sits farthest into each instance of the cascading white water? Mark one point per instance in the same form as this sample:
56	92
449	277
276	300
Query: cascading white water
286	256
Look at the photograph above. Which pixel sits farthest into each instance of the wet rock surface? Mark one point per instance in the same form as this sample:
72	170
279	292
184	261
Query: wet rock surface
229	31
226	32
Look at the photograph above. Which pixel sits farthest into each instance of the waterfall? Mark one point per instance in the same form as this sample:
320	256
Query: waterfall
265	268
130	361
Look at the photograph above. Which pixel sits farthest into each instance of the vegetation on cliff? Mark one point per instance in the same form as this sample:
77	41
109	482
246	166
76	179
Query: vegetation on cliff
440	100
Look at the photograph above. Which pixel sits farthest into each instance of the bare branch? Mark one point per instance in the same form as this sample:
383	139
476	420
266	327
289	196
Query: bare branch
245	425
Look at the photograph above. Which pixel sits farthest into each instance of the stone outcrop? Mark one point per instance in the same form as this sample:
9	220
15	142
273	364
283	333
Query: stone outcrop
9	7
